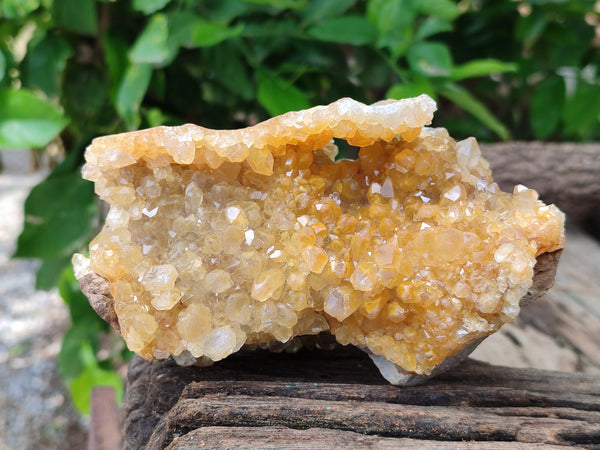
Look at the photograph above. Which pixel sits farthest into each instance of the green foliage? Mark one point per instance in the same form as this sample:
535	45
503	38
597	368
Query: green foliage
58	227
462	97
278	96
77	16
71	70
92	375
581	109
2	65
131	91
430	59
45	64
27	120
152	46
547	104
77	360
354	30
480	68
16	9
149	6
556	57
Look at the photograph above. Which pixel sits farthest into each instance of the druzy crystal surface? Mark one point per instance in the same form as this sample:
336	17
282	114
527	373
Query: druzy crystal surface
217	239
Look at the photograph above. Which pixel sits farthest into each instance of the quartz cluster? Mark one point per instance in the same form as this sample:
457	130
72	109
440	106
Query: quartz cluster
219	239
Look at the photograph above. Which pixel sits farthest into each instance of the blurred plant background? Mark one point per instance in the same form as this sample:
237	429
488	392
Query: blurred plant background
71	70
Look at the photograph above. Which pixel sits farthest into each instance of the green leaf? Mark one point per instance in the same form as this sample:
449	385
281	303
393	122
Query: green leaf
529	29
78	16
50	271
411	89
355	30
582	108
193	31
154	116
272	30
181	26
547	106
58	192
92	376
318	10
388	15
15	9
206	34
231	72
58	217
85	92
225	11
131	92
462	98
61	233
149	6
69	164
431	26
446	9
70	363
431	59
27	121
280	4
45	64
79	307
125	354
116	55
481	67
566	45
395	21
278	96
546	2
2	65
152	44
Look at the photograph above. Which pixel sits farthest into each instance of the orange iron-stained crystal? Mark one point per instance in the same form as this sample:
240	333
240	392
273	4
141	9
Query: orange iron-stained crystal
217	239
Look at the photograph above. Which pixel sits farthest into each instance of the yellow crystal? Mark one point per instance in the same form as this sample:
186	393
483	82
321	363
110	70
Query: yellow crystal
216	239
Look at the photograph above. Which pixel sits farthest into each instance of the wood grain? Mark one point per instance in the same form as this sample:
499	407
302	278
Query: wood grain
277	438
260	390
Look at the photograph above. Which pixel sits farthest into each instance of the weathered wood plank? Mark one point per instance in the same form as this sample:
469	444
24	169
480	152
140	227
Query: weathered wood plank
446	394
445	423
474	402
104	428
276	438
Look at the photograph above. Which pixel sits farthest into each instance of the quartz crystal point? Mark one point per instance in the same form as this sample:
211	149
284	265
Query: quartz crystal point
219	239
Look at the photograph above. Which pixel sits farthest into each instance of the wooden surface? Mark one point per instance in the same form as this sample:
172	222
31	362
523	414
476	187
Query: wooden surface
324	400
277	438
104	426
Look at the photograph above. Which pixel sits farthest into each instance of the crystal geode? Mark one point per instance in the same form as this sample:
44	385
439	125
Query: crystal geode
219	239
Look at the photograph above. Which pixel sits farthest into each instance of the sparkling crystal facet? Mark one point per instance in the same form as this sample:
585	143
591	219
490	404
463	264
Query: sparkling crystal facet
220	238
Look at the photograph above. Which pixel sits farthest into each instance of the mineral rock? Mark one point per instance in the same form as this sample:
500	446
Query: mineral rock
219	239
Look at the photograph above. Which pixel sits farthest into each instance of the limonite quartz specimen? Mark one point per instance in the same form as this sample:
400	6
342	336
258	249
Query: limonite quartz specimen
219	239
